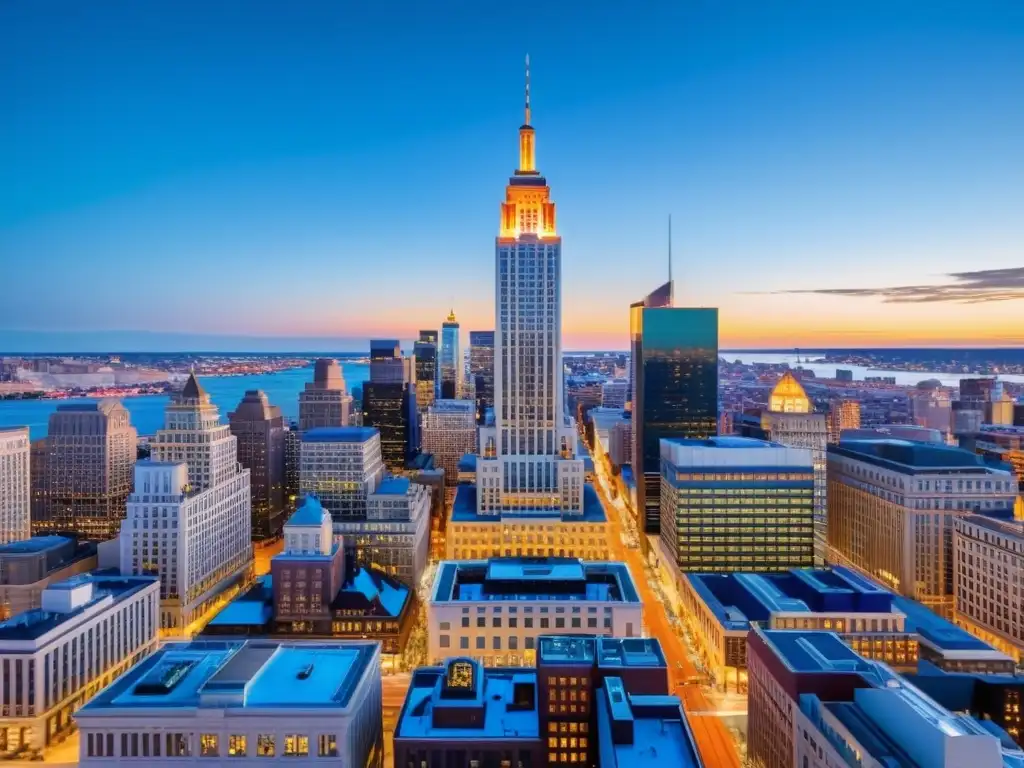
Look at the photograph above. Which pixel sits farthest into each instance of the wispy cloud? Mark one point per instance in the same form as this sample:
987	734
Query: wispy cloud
976	287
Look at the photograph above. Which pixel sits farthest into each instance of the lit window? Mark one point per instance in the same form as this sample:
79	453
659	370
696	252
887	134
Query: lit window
265	745
328	745
236	745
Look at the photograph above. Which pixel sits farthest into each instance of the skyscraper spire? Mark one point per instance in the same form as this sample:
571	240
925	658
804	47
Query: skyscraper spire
670	247
527	89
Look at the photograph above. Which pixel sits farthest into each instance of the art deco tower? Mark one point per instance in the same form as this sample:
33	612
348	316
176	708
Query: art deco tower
528	463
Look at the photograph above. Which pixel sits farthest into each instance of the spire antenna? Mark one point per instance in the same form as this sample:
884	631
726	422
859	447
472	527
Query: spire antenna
670	247
527	89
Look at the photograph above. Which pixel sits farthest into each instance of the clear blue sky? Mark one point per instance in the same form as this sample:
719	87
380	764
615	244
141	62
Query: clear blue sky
335	168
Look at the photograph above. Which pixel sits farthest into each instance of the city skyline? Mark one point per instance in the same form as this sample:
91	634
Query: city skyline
866	200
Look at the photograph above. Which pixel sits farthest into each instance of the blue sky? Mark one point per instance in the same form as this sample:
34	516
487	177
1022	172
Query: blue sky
334	169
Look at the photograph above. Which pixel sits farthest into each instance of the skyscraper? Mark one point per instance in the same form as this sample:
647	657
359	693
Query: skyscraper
259	427
481	369
675	387
425	352
389	403
449	433
90	457
325	402
15	501
843	414
450	360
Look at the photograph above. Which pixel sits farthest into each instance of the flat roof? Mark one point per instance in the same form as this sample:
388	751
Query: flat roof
656	731
566	649
941	634
339	434
723	441
630	652
212	674
1014	528
528	579
816	651
464	509
911	457
34	545
393	486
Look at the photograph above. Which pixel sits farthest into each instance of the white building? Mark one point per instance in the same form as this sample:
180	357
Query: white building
240	703
613	393
988	580
448	433
394	534
90	629
342	466
528	464
494	610
15	494
197	542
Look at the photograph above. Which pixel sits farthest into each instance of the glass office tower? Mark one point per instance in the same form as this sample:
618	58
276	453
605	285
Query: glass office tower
675	389
389	403
481	369
450	360
425	352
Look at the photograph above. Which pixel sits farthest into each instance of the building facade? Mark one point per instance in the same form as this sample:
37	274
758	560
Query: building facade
15	484
450	363
28	566
325	402
341	467
481	370
675	388
892	505
736	504
389	403
88	630
247	702
424	350
90	457
495	610
259	428
843	414
449	432
613	393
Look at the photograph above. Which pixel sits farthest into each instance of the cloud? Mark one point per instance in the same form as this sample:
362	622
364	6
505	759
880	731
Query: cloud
976	287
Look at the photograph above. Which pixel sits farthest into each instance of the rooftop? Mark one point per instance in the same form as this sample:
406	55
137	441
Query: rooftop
1013	528
34	545
910	457
230	675
528	579
637	730
310	513
467	463
339	435
943	635
464	509
393	486
816	651
722	441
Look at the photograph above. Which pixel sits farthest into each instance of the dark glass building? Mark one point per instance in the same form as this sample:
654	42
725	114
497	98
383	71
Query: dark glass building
389	403
425	352
481	369
674	388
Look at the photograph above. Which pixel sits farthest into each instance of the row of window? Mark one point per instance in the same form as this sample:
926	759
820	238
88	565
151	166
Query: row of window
209	745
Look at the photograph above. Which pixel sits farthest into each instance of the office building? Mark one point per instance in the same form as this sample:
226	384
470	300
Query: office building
842	414
891	509
196	540
424	351
988	580
910	432
313	591
389	403
814	702
736	504
28	566
590	701
15	484
450	362
324	402
721	609
243	702
620	441
88	630
675	388
90	456
481	370
528	475
259	428
1002	445
341	467
449	433
494	610
932	409
790	420
613	393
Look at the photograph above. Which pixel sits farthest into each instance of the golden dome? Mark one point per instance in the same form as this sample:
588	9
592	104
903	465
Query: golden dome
451	315
789	396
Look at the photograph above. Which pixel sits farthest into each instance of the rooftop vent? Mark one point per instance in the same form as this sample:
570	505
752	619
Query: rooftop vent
305	672
164	678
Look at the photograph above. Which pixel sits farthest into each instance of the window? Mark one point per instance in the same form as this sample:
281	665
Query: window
236	745
328	745
445	641
480	643
464	643
296	745
496	643
265	745
208	745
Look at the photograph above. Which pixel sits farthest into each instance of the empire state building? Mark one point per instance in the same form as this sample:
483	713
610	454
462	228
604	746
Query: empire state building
528	465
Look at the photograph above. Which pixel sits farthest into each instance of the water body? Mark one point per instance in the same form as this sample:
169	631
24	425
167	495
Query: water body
225	392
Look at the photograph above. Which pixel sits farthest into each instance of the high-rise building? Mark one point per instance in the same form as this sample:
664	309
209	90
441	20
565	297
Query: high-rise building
675	388
341	467
325	402
891	508
481	370
932	409
425	353
15	484
843	414
259	427
389	403
1005	445
449	433
613	393
90	455
28	566
292	447
195	485
736	504
450	363
790	420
